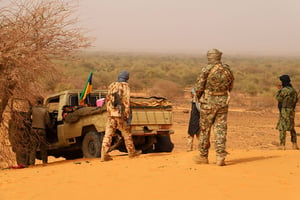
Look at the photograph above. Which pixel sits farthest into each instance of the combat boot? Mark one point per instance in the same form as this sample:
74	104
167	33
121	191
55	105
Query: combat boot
200	160
105	157
135	153
220	161
295	146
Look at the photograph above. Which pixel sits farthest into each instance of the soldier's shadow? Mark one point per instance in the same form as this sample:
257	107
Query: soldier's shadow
249	159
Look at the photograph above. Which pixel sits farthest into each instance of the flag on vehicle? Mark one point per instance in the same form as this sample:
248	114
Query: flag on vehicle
86	90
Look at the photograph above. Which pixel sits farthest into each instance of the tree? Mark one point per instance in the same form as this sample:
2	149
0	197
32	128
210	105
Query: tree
34	33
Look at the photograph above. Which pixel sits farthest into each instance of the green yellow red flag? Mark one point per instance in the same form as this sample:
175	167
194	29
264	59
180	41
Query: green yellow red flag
87	89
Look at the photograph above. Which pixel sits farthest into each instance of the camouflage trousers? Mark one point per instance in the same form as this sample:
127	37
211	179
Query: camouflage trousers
39	142
216	118
114	123
282	136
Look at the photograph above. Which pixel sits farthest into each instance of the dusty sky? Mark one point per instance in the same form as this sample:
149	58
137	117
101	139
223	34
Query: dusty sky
234	26
193	26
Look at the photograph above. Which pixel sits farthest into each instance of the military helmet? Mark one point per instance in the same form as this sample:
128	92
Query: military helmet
214	56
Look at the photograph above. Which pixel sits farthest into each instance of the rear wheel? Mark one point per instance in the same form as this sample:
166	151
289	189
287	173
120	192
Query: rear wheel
92	144
163	144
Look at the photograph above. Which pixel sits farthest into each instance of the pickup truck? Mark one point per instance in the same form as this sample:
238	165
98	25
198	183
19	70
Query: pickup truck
81	132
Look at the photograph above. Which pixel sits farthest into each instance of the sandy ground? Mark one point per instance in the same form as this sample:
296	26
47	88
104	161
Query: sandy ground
255	169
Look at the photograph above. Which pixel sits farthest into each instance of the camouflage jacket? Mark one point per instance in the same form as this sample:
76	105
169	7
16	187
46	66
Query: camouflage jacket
214	84
122	110
287	97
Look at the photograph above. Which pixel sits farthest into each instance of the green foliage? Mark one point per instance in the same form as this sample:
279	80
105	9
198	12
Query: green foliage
172	73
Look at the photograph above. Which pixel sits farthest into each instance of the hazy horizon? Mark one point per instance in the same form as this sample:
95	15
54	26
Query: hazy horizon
192	26
236	27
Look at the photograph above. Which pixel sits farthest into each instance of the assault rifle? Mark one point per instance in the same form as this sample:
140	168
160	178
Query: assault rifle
119	104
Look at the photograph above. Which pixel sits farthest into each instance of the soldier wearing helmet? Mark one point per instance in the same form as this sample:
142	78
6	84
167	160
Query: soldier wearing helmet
212	88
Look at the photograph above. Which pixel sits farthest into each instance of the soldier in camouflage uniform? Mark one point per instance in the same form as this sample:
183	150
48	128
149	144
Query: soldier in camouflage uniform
118	110
212	88
287	98
40	121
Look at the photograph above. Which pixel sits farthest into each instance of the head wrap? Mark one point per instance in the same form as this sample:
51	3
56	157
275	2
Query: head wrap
285	80
214	56
123	76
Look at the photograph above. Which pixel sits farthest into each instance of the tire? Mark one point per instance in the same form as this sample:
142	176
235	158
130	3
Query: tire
92	144
163	144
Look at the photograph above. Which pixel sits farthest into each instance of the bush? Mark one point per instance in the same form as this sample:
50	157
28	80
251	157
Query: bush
166	89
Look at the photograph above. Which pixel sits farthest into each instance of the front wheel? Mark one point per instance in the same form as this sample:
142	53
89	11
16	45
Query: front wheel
92	144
